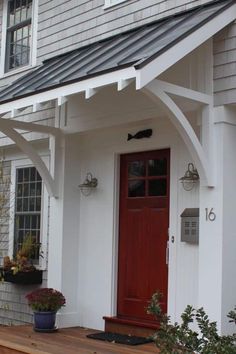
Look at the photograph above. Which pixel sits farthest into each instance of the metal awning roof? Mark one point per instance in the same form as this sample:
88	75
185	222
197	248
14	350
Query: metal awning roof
140	55
130	50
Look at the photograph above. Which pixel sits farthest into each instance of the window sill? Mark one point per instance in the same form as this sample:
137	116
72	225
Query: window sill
17	71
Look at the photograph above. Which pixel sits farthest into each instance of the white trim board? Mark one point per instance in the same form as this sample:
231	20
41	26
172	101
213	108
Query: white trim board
63	91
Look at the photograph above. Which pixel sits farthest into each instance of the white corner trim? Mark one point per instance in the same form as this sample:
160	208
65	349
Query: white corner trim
34	38
184	47
3	39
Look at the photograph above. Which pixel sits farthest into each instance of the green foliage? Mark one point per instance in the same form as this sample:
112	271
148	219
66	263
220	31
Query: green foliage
232	315
180	338
23	261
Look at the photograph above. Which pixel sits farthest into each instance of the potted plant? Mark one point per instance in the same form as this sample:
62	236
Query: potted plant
21	269
45	302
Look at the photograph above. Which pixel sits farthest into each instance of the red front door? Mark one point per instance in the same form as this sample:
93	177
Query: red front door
143	233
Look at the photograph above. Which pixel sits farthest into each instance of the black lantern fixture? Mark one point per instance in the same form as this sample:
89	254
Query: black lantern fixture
90	183
190	178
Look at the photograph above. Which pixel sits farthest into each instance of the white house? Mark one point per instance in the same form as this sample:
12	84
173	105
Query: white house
76	78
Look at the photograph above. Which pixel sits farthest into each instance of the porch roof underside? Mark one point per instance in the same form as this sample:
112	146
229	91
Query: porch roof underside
134	49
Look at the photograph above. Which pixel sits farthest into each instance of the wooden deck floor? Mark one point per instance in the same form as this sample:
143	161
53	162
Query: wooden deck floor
22	339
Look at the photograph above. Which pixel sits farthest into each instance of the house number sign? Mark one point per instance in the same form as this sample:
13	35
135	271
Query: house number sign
210	215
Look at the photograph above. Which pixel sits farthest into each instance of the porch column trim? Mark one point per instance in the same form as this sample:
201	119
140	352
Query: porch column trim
8	128
201	159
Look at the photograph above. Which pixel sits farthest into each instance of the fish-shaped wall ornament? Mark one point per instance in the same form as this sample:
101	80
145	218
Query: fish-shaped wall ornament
147	133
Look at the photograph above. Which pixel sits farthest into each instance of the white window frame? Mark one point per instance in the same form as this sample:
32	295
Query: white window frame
32	61
110	3
24	163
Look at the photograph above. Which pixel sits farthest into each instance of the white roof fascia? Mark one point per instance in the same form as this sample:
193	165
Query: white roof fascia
67	90
185	46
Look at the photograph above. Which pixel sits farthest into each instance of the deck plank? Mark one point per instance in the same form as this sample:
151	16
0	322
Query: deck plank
23	339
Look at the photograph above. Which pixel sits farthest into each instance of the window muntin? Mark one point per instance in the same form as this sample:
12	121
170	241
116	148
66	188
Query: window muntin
19	32
28	208
147	178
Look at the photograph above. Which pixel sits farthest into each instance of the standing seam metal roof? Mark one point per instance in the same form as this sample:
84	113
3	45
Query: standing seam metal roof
134	48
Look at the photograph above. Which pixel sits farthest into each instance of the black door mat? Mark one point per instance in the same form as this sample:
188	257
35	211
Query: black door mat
120	338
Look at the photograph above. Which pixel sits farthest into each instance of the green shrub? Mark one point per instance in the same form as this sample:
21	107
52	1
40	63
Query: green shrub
180	338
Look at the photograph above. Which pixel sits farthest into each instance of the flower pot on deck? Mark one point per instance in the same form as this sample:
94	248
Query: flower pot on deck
44	321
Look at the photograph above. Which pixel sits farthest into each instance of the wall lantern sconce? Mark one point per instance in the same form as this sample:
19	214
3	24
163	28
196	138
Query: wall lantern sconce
89	184
190	178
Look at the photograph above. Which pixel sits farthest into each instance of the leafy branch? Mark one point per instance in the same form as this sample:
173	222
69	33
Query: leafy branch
180	338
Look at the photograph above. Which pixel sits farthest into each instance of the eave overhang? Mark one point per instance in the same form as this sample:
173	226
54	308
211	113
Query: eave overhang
141	55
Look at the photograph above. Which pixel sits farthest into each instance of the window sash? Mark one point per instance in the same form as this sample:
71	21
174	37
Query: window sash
18	50
19	14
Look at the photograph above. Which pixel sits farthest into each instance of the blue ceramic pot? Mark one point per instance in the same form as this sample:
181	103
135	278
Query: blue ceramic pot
44	320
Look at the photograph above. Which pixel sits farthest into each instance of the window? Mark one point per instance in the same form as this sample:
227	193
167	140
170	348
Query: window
18	34
109	3
28	208
147	178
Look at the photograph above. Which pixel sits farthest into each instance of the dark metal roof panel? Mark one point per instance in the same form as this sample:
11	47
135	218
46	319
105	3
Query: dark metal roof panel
136	47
